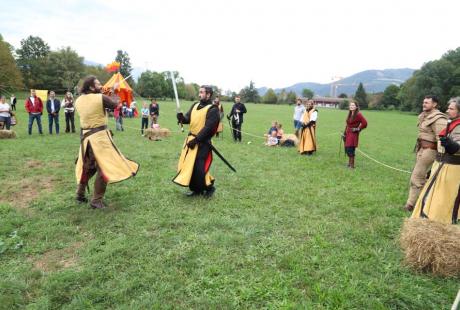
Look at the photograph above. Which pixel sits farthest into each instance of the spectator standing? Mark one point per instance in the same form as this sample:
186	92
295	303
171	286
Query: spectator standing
69	111
53	106
34	106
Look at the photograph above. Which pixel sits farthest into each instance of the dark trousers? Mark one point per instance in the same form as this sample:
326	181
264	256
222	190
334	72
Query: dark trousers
53	118
350	151
198	180
236	131
69	121
33	117
7	121
145	124
13	107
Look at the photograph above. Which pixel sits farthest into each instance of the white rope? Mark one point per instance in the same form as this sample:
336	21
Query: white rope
380	163
456	304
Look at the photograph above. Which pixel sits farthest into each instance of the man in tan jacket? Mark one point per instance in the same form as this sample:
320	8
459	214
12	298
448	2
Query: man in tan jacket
430	122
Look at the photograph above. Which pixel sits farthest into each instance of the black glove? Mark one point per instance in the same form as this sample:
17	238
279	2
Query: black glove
450	145
180	117
191	144
357	129
228	117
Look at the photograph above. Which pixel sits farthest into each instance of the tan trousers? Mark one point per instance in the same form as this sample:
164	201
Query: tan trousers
424	161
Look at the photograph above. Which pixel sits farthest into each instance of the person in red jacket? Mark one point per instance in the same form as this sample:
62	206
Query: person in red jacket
34	106
355	122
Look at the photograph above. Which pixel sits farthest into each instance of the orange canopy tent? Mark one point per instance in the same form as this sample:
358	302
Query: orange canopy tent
123	90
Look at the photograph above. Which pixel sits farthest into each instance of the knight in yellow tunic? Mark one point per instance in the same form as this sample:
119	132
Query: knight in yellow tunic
98	153
440	197
196	156
307	143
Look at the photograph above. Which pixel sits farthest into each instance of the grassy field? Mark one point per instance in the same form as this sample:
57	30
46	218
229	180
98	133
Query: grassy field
285	231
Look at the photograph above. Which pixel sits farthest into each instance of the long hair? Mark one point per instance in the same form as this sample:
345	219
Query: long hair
351	114
87	84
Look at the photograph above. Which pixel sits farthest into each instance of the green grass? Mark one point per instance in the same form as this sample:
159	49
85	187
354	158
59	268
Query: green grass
285	231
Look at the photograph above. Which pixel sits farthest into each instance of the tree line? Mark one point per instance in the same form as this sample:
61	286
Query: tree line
35	65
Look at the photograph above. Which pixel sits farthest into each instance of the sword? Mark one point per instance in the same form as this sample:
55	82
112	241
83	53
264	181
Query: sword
221	157
173	80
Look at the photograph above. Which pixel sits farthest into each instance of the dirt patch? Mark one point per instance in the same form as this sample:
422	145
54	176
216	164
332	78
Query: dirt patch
55	260
31	164
21	193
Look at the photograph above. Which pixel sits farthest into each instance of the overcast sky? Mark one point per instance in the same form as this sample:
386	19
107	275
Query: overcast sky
229	43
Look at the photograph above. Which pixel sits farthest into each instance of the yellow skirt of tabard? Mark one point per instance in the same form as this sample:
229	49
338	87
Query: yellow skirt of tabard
441	199
114	166
186	164
307	142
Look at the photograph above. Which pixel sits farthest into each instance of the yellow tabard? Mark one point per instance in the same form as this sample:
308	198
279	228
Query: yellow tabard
188	155
307	142
113	165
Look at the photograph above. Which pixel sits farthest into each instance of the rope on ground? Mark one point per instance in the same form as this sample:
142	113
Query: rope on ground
383	164
333	133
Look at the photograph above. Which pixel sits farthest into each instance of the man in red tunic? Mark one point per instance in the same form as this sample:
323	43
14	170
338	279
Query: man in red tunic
354	124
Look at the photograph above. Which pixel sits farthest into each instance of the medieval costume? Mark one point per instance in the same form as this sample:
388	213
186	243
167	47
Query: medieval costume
236	116
196	156
307	143
354	124
429	124
98	153
440	198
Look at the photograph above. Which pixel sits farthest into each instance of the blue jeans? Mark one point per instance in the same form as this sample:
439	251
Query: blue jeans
119	123
33	117
54	118
297	124
7	121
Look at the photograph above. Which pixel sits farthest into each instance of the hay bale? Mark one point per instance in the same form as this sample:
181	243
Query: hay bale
7	134
431	247
157	133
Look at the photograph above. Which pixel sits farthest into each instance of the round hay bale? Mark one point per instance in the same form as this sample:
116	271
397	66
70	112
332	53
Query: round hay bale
7	134
157	133
431	247
165	132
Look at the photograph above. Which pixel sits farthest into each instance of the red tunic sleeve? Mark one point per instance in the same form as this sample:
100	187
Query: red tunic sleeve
362	120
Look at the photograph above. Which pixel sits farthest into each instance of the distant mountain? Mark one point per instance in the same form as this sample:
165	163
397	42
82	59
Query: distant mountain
373	80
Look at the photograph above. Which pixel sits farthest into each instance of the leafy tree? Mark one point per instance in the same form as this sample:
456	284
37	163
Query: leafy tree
439	77
191	91
32	61
250	93
343	95
343	105
282	96
390	97
10	76
291	97
270	97
125	65
152	84
307	93
64	68
361	97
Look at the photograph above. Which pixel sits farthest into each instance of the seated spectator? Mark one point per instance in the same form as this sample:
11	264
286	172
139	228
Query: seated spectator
273	128
272	139
280	131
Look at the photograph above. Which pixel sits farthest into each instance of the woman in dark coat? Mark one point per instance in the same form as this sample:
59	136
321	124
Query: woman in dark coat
355	122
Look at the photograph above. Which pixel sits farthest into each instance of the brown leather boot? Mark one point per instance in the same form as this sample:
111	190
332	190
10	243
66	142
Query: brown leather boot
409	207
80	194
99	191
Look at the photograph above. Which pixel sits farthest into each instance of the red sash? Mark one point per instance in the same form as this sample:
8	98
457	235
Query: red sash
451	126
